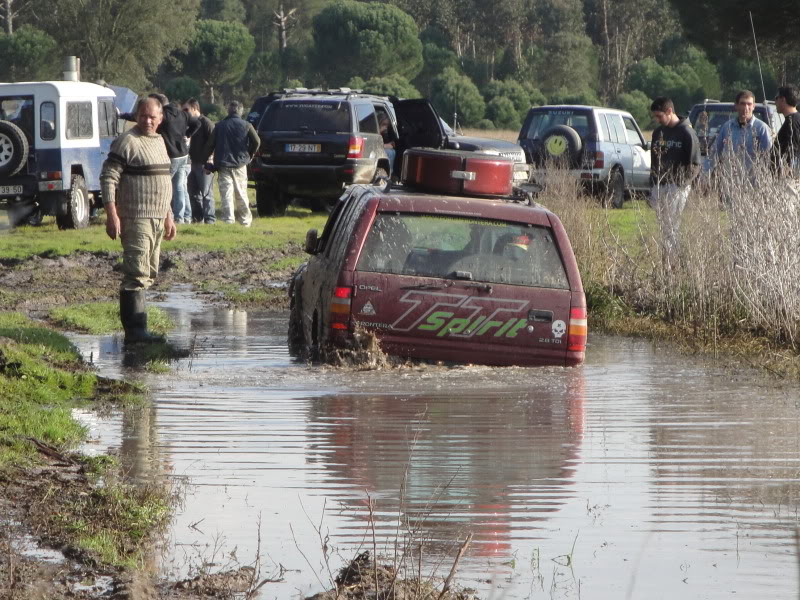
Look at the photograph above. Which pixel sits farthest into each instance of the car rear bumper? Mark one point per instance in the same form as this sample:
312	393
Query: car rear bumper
352	171
22	187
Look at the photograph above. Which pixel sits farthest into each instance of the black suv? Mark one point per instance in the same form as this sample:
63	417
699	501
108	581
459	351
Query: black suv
316	142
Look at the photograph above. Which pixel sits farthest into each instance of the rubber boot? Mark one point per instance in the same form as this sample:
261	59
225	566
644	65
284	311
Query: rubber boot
133	314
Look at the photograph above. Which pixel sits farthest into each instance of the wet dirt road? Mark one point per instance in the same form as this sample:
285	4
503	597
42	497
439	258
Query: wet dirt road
642	474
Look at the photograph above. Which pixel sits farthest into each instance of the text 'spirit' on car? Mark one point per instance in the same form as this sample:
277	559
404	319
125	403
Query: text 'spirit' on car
490	279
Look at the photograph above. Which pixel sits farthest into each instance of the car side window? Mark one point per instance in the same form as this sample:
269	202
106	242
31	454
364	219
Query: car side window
79	120
631	133
340	236
617	128
105	118
47	121
367	122
330	224
606	133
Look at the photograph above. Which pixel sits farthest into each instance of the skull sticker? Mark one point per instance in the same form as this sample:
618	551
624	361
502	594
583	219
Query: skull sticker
559	329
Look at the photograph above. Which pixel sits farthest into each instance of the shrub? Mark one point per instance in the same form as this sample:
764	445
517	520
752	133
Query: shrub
502	112
452	91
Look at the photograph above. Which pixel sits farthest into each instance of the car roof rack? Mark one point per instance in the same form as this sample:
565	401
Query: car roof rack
341	91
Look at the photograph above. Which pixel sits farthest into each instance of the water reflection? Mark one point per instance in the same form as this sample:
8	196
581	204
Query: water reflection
659	476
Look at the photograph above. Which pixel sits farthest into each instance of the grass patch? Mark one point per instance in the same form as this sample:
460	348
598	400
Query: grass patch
101	318
260	297
275	232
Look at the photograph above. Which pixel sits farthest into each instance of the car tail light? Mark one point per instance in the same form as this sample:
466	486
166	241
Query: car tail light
599	160
45	175
340	307
578	328
356	147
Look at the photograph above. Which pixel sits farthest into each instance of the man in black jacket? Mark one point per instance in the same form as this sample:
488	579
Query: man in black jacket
787	144
233	142
200	181
674	164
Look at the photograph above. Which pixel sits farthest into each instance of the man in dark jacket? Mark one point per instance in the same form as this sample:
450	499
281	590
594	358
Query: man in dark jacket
674	164
787	144
200	181
233	142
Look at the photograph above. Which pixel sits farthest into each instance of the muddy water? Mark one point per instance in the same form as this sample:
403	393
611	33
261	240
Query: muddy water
643	474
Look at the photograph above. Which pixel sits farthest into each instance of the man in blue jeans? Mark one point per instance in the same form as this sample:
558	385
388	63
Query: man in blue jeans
200	182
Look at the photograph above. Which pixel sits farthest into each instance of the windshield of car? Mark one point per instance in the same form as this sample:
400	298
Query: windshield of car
308	115
18	110
542	122
709	119
475	249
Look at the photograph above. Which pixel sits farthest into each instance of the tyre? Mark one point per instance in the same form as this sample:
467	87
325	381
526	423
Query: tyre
13	149
75	214
297	339
563	146
270	201
615	190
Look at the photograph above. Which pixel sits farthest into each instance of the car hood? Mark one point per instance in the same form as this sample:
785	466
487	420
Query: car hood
476	143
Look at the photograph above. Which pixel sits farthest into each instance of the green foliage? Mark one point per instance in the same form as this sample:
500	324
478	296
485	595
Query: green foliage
452	91
676	52
218	53
263	74
638	104
366	39
570	64
182	88
120	41
29	54
742	74
393	85
223	10
502	112
655	80
535	97
484	124
435	60
519	96
565	96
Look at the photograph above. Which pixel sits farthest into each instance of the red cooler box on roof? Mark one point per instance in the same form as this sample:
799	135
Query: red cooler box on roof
457	172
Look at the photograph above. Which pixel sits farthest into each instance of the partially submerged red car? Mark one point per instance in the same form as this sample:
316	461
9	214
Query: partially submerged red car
451	266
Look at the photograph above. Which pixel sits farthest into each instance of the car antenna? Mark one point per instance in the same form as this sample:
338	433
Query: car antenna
758	58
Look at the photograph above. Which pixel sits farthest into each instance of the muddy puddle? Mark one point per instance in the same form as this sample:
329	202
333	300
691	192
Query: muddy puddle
642	474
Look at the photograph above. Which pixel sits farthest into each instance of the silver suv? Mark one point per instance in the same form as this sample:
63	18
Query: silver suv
602	147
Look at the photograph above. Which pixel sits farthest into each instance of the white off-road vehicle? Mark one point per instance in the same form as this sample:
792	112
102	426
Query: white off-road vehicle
54	137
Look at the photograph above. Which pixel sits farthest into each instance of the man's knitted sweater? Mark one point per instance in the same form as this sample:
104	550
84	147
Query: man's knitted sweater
136	176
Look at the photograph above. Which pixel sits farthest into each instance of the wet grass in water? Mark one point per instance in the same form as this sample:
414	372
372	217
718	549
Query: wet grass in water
103	318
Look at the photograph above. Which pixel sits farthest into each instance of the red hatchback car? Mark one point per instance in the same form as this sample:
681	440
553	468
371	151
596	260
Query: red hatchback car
490	280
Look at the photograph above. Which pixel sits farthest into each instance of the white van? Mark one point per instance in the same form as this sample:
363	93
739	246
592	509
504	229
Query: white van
54	137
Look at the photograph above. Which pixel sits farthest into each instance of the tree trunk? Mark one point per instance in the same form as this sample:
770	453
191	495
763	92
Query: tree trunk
8	17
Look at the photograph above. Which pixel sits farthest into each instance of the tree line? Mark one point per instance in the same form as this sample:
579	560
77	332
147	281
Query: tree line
487	62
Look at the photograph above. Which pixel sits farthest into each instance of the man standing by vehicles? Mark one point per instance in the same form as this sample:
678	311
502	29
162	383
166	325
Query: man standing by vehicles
199	185
137	191
742	141
233	142
787	144
674	164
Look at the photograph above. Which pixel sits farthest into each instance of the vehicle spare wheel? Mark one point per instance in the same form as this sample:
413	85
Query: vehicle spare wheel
13	148
457	172
562	145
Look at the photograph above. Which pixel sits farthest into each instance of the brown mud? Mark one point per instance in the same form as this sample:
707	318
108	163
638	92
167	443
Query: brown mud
40	283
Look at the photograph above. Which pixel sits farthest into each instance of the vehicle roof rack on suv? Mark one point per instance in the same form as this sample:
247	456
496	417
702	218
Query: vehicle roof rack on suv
346	91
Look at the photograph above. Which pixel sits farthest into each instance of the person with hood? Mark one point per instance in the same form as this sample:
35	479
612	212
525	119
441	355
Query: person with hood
674	164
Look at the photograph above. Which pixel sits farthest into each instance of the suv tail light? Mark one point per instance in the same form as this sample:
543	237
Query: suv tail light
340	308
599	160
576	334
355	147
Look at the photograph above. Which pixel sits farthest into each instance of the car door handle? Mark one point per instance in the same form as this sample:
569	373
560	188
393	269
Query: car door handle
540	316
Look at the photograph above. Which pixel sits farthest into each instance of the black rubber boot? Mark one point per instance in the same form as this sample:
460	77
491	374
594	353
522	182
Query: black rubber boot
133	314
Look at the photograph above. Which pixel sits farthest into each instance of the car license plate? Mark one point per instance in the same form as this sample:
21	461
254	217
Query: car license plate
303	148
10	190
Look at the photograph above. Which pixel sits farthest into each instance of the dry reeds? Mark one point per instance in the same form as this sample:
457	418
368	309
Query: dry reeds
734	268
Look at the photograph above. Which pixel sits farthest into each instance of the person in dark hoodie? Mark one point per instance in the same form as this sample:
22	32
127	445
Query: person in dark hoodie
176	127
674	164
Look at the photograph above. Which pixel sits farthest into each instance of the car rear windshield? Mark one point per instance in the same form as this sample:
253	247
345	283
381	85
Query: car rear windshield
307	116
706	122
542	122
484	250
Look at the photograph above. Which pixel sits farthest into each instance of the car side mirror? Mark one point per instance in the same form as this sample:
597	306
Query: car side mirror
312	239
646	145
